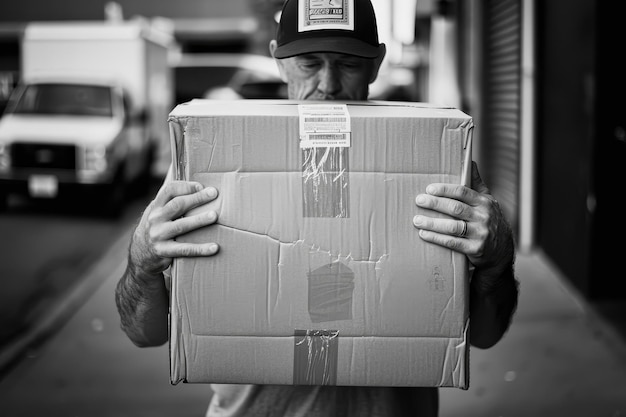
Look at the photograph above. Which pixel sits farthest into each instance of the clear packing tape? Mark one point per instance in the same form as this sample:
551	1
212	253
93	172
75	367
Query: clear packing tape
325	140
325	182
315	357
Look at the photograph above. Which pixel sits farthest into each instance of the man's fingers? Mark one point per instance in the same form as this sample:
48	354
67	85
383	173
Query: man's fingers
458	228
453	191
173	249
184	195
182	225
181	203
455	243
452	207
172	189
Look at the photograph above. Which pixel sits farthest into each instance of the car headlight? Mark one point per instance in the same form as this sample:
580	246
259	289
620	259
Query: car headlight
5	156
95	159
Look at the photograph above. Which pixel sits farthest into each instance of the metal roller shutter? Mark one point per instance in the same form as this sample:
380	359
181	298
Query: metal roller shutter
502	104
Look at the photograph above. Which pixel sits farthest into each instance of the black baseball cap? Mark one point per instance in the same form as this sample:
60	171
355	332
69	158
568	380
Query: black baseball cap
343	26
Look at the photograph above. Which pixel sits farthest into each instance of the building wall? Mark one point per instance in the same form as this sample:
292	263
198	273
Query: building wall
565	59
26	10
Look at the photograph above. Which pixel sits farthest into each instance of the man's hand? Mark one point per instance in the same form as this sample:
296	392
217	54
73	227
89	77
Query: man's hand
141	294
478	228
480	231
154	245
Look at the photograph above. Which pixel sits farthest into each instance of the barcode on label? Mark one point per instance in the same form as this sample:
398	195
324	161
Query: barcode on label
326	136
325	120
326	139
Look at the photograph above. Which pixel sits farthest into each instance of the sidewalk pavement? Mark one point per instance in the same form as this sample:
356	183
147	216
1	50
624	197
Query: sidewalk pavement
558	359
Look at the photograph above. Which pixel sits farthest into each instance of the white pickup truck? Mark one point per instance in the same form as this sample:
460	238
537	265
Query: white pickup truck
90	111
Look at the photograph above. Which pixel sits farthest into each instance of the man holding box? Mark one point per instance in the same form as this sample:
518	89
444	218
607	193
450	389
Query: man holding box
324	53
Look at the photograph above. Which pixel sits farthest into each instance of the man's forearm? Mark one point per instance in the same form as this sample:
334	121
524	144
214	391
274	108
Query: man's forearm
493	300
143	305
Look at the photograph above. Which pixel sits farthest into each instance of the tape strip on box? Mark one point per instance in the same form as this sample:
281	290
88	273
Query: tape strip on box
331	290
315	357
325	137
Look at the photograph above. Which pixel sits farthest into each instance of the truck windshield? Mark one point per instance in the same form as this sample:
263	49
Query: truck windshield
65	99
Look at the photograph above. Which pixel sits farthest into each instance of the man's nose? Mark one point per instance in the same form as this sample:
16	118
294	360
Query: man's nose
329	80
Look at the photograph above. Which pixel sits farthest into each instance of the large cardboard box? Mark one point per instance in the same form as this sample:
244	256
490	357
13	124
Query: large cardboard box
321	277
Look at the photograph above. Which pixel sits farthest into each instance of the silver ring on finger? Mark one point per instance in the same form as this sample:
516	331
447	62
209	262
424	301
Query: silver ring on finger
463	232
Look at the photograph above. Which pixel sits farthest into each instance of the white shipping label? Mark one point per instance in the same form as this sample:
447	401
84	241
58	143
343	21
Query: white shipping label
324	125
325	14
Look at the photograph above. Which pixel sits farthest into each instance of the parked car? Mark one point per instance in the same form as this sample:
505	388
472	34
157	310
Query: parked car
227	75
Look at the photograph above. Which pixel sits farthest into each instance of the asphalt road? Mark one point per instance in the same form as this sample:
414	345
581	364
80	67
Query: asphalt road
45	248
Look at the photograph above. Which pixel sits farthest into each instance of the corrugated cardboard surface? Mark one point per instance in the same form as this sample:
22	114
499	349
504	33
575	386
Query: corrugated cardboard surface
289	299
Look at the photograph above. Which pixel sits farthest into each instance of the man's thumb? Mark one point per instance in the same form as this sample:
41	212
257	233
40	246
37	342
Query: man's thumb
477	182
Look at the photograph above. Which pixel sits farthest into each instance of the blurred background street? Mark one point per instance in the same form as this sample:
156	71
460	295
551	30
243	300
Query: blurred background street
539	79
